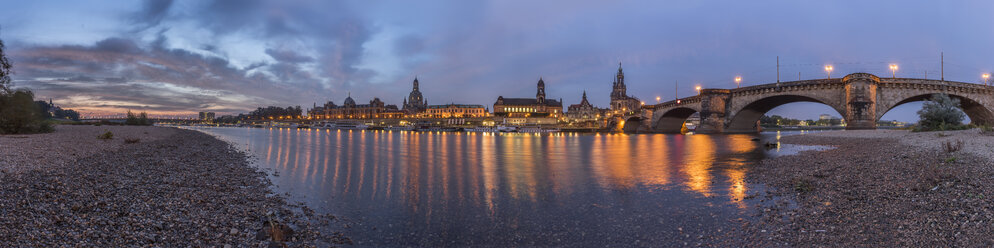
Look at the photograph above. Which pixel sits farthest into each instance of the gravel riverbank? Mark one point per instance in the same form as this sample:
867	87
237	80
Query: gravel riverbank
877	188
172	188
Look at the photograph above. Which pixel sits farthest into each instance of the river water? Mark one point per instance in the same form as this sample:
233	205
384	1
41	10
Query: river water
399	188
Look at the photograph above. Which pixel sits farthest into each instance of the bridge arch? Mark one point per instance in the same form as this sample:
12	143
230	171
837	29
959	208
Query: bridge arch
977	111
632	124
672	120
744	119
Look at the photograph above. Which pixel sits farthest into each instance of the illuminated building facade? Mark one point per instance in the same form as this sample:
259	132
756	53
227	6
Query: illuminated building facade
455	110
376	109
584	111
206	117
529	107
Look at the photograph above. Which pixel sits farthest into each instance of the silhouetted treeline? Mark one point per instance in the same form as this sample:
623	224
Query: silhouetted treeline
230	119
275	112
49	111
140	119
776	120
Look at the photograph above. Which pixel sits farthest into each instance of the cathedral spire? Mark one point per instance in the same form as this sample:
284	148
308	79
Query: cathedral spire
540	95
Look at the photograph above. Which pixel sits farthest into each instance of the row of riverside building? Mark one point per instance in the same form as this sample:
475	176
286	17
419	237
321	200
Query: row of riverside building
538	110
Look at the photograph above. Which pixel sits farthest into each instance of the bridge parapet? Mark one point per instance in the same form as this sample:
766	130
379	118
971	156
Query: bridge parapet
674	103
816	84
928	84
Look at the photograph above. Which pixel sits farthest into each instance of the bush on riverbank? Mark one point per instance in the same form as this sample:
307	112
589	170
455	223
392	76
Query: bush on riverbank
140	119
941	113
20	115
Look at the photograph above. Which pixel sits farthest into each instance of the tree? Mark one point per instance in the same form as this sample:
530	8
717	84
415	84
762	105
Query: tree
19	114
18	111
140	119
941	112
5	71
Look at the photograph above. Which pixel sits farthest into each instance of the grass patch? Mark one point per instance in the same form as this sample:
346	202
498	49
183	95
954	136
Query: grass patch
106	136
951	160
803	185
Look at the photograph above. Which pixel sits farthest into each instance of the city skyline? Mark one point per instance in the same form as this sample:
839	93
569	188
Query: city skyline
184	57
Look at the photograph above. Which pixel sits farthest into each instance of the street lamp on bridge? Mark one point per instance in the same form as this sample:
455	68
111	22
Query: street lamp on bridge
738	80
657	99
986	76
893	70
698	88
828	69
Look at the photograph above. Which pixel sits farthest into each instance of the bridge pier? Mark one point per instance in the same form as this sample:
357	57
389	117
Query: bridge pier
861	101
713	107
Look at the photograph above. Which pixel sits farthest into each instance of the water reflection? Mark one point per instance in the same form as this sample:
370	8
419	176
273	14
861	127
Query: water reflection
419	189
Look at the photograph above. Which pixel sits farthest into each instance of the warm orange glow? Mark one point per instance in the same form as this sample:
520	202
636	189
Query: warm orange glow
699	158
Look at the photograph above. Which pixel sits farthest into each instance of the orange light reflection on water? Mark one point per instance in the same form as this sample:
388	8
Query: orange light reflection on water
426	170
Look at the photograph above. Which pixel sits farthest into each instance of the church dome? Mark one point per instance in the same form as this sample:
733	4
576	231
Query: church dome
414	97
349	101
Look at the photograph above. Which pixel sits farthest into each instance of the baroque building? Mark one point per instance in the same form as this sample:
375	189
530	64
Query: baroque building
376	109
538	107
455	111
415	102
584	111
621	103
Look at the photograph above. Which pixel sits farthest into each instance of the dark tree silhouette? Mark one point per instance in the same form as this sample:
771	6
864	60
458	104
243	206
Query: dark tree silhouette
5	71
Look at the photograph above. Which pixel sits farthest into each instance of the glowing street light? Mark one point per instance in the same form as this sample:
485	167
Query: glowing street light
828	69
737	81
657	99
893	70
698	88
986	76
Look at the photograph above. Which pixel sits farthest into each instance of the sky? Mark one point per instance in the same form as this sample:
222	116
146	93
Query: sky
176	58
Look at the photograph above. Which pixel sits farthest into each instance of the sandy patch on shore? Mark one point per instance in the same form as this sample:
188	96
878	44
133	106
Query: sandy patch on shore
22	152
974	141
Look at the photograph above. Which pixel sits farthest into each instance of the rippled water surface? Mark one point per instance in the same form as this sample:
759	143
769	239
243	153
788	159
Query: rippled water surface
458	189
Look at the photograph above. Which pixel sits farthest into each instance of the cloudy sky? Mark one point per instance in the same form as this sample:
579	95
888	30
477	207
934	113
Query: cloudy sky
181	57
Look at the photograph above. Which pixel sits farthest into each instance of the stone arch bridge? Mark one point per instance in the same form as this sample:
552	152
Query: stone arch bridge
861	98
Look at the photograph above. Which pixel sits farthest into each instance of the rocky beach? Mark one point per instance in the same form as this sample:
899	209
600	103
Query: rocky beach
876	188
145	186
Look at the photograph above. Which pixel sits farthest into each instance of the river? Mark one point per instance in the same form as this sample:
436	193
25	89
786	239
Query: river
401	188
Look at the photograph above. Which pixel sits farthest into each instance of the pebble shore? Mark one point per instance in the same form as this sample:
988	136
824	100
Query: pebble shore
173	188
877	189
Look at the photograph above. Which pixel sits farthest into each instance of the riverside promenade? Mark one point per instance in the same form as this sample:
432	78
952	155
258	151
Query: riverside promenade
147	186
